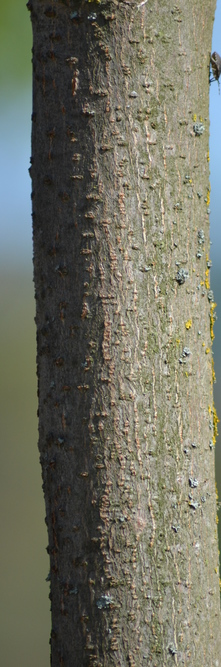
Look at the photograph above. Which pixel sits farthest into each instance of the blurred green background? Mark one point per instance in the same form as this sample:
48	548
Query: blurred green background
24	563
24	603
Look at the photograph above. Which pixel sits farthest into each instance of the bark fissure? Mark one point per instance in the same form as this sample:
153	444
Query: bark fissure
123	310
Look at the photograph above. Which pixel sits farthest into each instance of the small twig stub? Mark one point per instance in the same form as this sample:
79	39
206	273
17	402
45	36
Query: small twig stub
215	62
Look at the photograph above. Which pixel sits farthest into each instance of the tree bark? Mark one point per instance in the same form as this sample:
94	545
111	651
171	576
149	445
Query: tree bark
124	316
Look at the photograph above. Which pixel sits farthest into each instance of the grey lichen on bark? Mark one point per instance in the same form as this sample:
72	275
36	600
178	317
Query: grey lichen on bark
120	175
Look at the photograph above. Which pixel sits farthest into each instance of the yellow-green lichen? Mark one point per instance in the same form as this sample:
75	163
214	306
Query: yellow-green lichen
212	320
213	370
207	283
213	415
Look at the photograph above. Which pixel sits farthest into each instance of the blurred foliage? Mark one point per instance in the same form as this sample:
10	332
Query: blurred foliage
24	564
15	46
24	604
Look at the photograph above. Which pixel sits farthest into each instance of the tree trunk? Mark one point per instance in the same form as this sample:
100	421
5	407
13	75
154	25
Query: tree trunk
127	426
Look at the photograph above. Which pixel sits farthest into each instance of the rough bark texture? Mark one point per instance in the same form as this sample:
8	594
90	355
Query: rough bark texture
120	175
